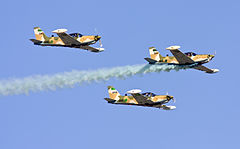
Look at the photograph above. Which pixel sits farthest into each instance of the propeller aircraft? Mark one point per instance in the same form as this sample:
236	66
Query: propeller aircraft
179	58
73	40
137	98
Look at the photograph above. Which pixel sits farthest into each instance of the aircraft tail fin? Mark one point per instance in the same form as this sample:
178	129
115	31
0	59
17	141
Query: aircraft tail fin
155	55
113	93
39	34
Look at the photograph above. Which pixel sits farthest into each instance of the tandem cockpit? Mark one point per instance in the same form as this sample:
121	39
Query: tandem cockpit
149	94
76	35
190	54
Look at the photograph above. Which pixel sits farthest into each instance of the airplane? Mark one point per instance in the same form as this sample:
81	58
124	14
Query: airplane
137	98
73	40
179	58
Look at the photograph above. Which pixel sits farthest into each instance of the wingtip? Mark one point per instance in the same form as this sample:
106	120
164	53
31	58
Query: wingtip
134	91
100	49
173	48
215	70
60	30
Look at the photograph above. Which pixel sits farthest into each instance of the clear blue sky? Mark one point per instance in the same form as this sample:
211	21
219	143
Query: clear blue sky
207	114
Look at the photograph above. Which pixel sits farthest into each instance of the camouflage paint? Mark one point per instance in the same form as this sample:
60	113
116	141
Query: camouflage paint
39	34
114	94
171	59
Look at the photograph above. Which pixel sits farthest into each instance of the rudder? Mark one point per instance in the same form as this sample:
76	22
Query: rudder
155	55
113	93
39	34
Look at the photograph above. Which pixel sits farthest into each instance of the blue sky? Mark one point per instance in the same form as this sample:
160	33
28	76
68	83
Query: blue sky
207	114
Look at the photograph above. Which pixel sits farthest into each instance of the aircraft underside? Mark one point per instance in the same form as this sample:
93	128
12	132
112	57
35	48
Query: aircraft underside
181	65
157	105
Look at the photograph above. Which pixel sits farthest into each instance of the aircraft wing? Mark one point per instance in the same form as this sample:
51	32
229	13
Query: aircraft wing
92	49
207	70
67	39
142	99
165	107
181	57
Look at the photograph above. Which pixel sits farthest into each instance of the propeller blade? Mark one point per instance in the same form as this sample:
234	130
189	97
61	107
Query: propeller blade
174	100
100	42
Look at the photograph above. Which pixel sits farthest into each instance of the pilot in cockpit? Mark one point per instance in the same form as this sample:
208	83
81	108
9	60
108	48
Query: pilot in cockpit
76	35
149	94
190	54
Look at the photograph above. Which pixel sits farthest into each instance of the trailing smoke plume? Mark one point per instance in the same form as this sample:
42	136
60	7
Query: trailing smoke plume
69	79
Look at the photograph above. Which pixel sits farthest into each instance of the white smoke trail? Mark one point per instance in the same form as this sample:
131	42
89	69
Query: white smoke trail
69	79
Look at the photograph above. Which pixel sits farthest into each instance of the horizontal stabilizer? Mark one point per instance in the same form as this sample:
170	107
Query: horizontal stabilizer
151	61
109	100
35	41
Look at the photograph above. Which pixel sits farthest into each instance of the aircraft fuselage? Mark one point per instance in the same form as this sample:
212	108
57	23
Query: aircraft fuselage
158	100
198	59
56	41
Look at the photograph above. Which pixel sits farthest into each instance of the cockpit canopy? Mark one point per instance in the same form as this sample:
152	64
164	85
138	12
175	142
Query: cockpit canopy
148	94
190	54
76	35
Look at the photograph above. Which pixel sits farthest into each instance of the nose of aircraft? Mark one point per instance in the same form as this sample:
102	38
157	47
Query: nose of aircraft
169	97
211	56
97	37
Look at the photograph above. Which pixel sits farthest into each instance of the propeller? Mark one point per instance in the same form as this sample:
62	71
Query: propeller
100	42
174	100
170	97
